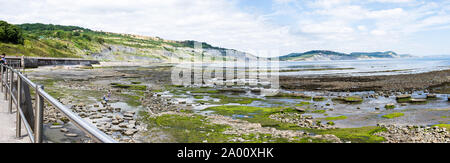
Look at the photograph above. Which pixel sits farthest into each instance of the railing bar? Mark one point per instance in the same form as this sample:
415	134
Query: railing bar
10	78
14	100
88	128
38	116
2	76
28	81
18	118
27	125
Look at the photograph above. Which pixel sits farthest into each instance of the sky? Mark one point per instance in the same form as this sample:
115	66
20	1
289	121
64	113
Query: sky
277	27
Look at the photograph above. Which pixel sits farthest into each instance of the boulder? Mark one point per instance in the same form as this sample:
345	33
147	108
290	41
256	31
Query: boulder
130	132
403	96
128	114
389	106
431	96
71	135
115	122
319	98
56	126
123	125
64	130
418	100
131	126
353	99
309	122
299	109
132	122
116	128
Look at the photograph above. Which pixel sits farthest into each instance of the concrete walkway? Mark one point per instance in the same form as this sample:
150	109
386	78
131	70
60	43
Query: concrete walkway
8	125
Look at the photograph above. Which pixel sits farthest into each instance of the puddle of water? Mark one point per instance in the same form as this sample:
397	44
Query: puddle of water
56	136
241	116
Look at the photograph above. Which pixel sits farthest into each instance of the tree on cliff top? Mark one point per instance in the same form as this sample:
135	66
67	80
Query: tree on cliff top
10	33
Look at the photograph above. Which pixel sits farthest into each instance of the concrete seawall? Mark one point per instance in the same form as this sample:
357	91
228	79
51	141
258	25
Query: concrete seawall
34	62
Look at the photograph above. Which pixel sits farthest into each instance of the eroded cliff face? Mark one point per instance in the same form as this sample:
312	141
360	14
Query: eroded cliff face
119	53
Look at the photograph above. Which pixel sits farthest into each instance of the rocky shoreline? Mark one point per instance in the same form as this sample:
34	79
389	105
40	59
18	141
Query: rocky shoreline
240	128
301	121
414	134
126	126
391	133
436	82
121	125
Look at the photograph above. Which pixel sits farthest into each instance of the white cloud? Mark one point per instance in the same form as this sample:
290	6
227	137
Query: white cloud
218	22
378	32
362	28
386	14
328	3
348	25
283	1
392	1
365	26
329	27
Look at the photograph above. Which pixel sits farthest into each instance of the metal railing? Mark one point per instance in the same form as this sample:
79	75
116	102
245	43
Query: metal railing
8	75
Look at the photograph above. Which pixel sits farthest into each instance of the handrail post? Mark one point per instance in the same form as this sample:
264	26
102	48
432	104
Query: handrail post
6	82
1	65
18	108
11	78
39	113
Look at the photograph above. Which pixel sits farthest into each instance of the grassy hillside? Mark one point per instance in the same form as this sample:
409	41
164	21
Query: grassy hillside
309	54
331	55
46	40
53	41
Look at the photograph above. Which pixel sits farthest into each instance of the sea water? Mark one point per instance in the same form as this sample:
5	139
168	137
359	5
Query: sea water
367	67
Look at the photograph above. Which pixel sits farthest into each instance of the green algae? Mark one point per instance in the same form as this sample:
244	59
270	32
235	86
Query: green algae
238	100
197	129
393	115
261	115
355	135
198	97
188	129
403	100
256	115
319	98
342	117
349	100
129	86
291	96
389	106
318	111
132	100
443	126
303	103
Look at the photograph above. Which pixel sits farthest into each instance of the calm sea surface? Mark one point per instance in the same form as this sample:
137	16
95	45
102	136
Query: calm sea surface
367	67
346	67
